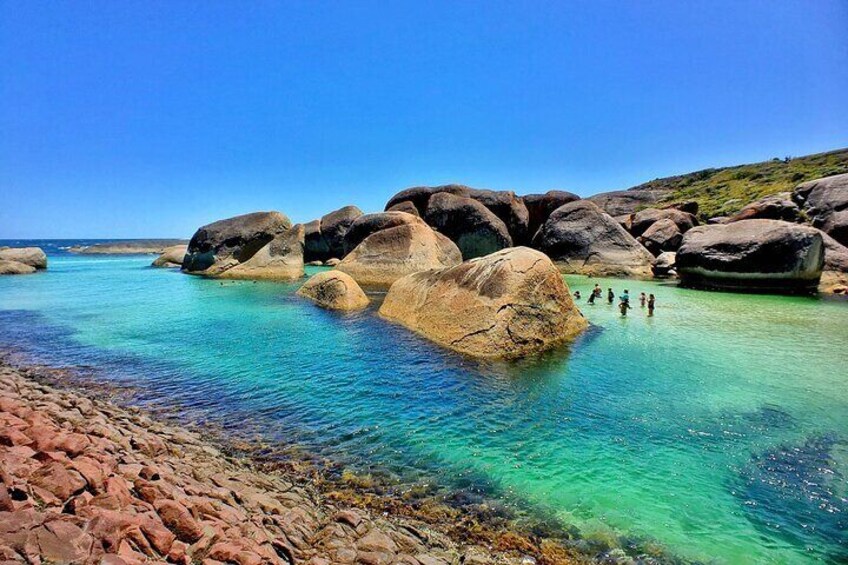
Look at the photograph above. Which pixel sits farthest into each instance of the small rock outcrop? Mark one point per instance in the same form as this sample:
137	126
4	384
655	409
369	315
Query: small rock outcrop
825	202
834	278
334	290
775	207
127	247
31	256
505	305
261	245
663	235
644	219
405	206
540	207
581	238
752	255
172	257
469	224
396	251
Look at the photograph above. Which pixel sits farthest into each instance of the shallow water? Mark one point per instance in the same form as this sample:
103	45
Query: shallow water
717	429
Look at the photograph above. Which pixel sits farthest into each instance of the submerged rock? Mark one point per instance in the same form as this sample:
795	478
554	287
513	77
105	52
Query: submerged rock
469	224
752	255
31	256
505	305
172	257
261	245
583	239
334	290
825	201
396	251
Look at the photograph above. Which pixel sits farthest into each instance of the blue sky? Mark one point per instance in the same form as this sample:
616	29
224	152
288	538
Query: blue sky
144	119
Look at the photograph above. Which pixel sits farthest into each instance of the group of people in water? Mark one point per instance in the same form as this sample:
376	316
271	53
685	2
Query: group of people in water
623	300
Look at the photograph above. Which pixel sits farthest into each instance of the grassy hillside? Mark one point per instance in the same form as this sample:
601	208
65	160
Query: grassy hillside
724	191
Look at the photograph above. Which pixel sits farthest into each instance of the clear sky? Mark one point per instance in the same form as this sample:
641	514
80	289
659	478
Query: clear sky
145	119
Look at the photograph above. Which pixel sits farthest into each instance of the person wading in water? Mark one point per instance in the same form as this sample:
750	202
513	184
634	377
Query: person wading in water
591	300
651	301
624	306
642	299
610	295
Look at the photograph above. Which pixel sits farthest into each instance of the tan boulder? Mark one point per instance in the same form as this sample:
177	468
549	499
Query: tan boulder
334	290
15	268
389	254
505	305
32	256
171	256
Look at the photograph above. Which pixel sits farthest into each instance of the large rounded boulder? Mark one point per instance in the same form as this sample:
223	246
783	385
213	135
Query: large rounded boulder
469	224
399	250
505	305
825	202
502	203
581	238
15	268
31	256
171	257
752	255
368	224
334	290
540	207
621	202
324	238
261	245
315	247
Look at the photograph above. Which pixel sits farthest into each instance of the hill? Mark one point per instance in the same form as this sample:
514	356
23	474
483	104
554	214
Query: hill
724	191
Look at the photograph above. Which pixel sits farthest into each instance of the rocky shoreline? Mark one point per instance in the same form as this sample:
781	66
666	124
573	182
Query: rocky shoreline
87	481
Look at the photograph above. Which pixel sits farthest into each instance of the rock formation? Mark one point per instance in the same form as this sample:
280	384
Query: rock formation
505	305
825	202
404	206
540	207
752	255
663	235
396	251
15	268
127	247
31	256
775	207
172	256
261	245
663	265
469	224
581	238
324	238
334	290
644	219
367	224
621	202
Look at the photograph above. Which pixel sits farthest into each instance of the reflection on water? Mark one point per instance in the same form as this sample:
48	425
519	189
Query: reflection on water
662	429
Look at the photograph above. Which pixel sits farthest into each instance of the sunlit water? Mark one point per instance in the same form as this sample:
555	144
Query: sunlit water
717	428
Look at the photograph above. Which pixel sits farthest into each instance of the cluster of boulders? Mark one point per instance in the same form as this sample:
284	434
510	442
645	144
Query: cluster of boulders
84	481
21	260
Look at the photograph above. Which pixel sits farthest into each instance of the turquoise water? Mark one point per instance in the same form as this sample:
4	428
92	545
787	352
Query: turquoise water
717	429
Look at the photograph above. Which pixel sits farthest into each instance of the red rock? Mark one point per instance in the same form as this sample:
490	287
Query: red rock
11	436
149	473
179	520
157	534
62	541
229	552
58	480
112	559
178	553
93	473
74	444
6	504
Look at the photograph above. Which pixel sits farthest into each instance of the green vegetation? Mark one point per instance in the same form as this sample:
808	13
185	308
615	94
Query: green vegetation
724	191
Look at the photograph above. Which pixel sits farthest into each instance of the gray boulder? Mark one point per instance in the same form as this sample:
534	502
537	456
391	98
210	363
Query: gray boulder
31	256
621	202
825	202
584	239
663	265
752	255
315	246
324	238
663	235
419	196
261	245
469	224
405	206
775	207
540	207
